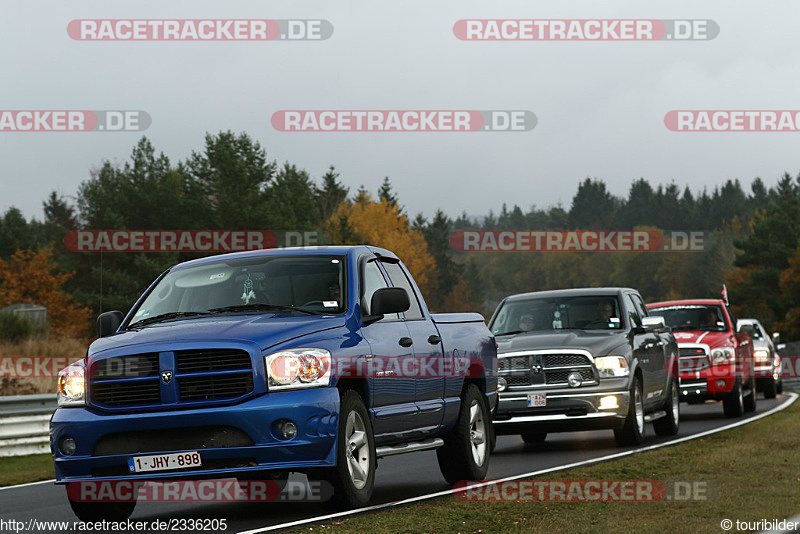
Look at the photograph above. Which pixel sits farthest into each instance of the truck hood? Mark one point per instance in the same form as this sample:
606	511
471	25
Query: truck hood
598	343
263	330
712	339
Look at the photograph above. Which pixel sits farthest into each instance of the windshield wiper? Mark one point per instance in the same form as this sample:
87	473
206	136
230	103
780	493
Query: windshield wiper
511	333
260	307
166	317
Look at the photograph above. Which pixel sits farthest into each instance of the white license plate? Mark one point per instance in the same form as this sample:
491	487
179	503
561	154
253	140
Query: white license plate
537	400
164	462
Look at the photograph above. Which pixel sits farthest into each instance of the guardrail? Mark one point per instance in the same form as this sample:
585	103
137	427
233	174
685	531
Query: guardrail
25	424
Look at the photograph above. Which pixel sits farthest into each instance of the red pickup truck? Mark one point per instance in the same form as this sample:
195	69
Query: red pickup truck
715	360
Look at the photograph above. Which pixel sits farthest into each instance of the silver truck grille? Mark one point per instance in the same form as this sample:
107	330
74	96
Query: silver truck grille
545	369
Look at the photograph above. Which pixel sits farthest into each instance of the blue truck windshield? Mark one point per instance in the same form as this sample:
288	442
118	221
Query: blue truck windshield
547	314
283	284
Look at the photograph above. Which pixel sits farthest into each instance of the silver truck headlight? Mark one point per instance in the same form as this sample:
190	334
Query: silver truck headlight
761	355
72	385
298	369
612	366
722	355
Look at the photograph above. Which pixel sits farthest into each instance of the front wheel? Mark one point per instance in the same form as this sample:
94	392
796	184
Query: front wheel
533	437
91	512
465	453
733	403
770	388
750	400
668	426
632	433
353	476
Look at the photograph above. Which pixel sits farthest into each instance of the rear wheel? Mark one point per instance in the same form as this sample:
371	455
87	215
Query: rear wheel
465	453
353	476
750	400
733	403
632	433
668	426
534	437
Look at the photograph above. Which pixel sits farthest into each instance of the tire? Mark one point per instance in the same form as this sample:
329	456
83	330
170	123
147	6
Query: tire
102	511
353	476
668	426
779	387
465	453
533	437
281	478
632	433
751	400
770	388
733	403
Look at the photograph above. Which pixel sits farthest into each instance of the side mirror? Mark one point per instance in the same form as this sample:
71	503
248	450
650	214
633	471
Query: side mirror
653	322
387	300
108	322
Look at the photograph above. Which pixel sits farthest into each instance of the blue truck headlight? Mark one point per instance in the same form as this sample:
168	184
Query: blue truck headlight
298	368
612	366
722	355
72	385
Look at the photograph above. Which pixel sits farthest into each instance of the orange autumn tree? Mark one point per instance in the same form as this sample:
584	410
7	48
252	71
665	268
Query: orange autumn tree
381	224
30	276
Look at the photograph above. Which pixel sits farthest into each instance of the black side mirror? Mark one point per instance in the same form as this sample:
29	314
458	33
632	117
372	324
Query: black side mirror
108	322
385	301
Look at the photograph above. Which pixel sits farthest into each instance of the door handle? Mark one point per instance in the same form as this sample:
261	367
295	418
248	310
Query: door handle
433	339
406	341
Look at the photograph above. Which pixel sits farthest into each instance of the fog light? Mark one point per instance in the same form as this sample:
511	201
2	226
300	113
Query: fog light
574	380
501	384
609	402
67	446
720	383
287	429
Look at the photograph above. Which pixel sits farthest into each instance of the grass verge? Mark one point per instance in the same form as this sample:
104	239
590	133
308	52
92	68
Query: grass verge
22	469
751	473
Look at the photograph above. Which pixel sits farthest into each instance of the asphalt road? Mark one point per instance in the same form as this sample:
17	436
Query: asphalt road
398	477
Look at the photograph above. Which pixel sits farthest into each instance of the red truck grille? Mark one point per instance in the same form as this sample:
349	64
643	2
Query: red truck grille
168	378
692	359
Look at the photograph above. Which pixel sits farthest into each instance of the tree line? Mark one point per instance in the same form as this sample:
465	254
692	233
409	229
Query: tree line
232	184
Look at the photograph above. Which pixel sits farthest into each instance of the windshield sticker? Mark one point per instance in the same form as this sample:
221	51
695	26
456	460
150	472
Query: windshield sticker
216	276
614	319
330	303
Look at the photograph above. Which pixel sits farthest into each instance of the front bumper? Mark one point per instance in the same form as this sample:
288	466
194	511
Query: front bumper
314	411
567	409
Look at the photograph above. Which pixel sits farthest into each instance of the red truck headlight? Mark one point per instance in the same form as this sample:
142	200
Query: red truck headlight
72	385
722	355
298	368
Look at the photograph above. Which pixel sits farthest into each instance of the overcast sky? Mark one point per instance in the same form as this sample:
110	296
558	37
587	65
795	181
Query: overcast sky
600	105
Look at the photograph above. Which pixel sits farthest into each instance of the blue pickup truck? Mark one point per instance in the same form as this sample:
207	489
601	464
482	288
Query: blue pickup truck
257	364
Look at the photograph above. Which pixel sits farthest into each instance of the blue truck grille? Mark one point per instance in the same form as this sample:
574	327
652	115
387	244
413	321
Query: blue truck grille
171	377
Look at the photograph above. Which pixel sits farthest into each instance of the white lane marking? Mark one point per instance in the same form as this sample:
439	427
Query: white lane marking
795	520
27	484
785	404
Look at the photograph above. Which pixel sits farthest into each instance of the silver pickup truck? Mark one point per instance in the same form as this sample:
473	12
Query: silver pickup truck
584	359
